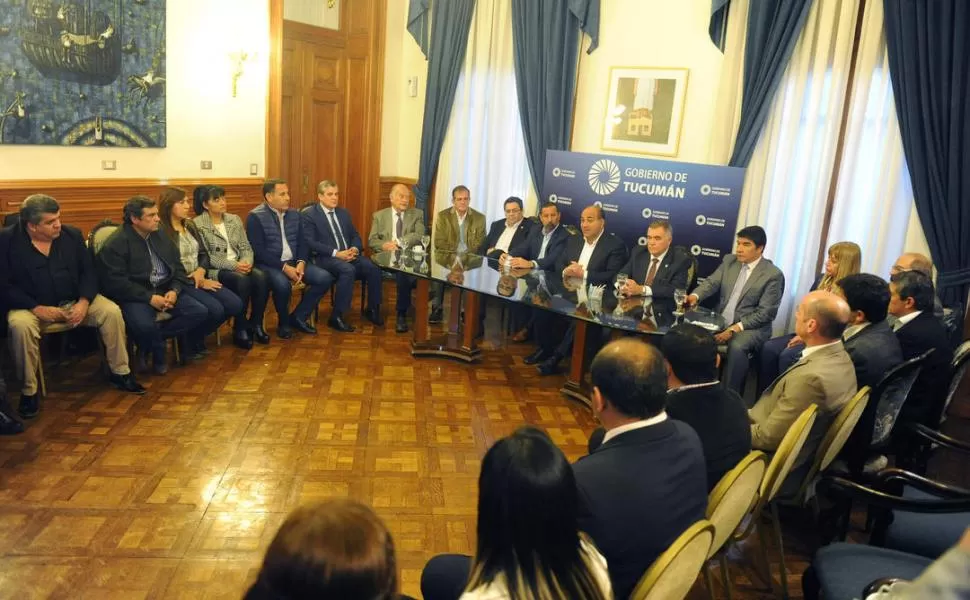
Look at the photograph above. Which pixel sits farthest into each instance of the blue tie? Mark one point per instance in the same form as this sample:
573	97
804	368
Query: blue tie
338	234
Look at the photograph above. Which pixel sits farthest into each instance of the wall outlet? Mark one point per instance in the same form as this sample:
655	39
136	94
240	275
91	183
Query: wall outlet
413	86
206	165
253	168
109	165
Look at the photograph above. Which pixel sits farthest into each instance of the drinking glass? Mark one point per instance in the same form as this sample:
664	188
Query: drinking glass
426	241
679	297
621	279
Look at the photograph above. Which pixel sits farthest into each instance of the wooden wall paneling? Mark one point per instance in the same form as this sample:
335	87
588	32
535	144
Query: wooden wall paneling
274	93
86	202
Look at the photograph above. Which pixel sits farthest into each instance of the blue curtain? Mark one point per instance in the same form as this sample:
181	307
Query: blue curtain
450	23
929	63
773	29
545	36
718	25
418	26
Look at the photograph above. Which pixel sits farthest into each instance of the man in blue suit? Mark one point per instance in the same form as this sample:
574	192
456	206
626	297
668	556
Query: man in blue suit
275	233
331	236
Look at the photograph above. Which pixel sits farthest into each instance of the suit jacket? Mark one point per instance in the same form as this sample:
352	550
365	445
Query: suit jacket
218	246
263	231
672	272
446	230
760	299
319	237
382	228
638	492
608	256
125	266
529	249
874	351
495	232
925	402
720	418
28	279
825	377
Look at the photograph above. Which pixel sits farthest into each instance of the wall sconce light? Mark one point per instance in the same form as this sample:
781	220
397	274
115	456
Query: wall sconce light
239	59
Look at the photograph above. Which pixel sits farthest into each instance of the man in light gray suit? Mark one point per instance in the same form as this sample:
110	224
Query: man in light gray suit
396	228
823	376
750	289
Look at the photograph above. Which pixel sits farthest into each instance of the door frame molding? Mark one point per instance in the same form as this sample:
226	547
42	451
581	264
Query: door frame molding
274	100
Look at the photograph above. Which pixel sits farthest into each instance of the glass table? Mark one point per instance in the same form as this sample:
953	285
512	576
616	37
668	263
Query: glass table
471	276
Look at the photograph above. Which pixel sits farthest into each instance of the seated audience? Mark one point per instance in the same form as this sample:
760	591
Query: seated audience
914	261
507	233
529	542
918	331
696	397
823	376
459	229
646	483
8	424
394	229
749	289
276	233
46	277
657	269
140	269
868	339
220	302
334	549
779	353
330	235
231	258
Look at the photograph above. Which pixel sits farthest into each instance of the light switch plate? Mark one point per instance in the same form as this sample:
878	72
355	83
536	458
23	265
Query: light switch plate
109	165
206	165
253	168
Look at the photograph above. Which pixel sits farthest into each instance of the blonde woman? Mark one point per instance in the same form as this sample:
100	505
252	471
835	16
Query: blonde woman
844	258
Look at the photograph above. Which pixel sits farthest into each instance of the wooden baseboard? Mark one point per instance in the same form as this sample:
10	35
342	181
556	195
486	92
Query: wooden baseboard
86	202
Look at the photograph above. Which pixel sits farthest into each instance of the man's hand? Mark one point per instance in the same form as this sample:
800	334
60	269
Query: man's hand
521	263
244	268
345	255
300	269
48	314
210	285
690	301
724	337
78	312
631	288
171	298
794	341
291	273
390	246
198	276
159	303
573	270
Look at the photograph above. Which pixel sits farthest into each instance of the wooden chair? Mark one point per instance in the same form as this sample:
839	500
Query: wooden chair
778	470
672	575
729	502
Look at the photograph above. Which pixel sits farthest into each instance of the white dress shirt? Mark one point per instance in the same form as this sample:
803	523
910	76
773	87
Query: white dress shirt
545	244
647	290
505	239
810	349
287	254
331	215
587	253
906	319
612	433
230	252
853	330
395	216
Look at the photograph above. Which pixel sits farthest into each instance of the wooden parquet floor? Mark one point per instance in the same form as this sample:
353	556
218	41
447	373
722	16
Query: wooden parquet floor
176	494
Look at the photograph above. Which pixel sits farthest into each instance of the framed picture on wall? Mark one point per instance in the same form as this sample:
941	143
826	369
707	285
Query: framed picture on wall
645	110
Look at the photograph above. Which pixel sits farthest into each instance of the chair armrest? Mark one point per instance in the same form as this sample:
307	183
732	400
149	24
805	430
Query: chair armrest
936	437
930	486
843	487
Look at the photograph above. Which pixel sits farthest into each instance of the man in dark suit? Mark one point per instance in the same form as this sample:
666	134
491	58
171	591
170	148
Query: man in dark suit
750	290
868	339
646	483
506	233
696	397
331	236
918	331
275	232
657	269
590	259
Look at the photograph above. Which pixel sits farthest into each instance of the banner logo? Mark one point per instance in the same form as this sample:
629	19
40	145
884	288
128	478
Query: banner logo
647	213
604	177
553	198
700	220
642	241
705	190
556	172
695	250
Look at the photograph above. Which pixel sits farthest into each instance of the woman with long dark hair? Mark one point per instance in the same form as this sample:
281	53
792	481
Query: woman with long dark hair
529	542
221	303
231	256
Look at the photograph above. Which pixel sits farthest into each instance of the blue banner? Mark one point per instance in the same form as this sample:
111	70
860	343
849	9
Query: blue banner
700	201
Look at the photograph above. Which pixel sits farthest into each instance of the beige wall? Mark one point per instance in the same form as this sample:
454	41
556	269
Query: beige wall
204	121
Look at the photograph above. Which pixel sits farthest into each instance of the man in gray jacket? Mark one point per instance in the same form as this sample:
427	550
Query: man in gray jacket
397	228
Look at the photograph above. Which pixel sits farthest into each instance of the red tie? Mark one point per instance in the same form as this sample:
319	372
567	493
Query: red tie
652	272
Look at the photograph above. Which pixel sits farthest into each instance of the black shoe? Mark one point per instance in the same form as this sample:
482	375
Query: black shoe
260	336
550	366
536	357
374	316
302	325
283	332
29	406
127	383
8	424
242	340
401	323
436	316
160	369
337	322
